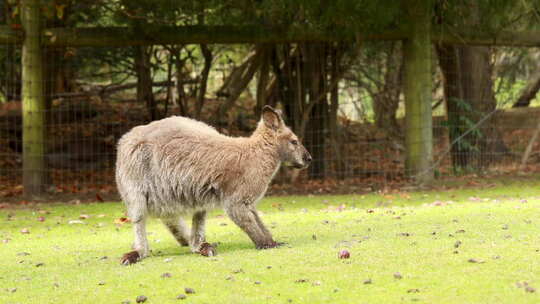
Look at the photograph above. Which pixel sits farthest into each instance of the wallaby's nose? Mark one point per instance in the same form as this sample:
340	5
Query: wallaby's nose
307	158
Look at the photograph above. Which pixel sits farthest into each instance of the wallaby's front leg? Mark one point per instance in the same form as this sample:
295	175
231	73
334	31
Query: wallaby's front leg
245	216
198	239
140	246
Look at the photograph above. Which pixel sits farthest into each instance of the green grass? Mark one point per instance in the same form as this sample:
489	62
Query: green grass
498	225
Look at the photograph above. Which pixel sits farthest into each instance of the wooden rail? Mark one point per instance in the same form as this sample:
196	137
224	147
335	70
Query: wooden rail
127	36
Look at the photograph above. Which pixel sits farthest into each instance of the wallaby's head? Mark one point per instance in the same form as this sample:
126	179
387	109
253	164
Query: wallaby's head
291	151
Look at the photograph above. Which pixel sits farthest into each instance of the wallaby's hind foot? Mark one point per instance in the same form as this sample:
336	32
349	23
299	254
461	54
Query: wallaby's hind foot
129	258
206	249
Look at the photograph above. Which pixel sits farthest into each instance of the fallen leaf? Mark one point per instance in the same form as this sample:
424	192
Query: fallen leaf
84	216
476	261
398	276
189	290
25	231
141	299
122	220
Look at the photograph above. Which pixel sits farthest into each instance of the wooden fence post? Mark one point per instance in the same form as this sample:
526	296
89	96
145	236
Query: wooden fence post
417	91
32	100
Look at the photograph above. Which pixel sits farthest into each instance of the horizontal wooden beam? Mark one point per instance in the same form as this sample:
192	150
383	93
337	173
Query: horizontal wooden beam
122	36
127	36
477	38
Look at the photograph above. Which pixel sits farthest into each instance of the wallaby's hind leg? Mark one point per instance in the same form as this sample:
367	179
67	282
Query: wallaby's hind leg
141	249
179	230
140	246
198	239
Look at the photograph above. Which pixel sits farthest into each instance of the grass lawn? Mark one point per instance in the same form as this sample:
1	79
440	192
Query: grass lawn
457	246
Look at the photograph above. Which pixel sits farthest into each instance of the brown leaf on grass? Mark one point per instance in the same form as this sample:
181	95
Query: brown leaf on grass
41	219
476	261
398	276
25	231
84	216
122	220
413	290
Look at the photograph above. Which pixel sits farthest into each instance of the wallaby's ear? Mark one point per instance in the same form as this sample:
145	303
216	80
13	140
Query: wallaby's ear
271	118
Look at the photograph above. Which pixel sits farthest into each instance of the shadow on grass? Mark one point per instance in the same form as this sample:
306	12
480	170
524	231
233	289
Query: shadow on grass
222	248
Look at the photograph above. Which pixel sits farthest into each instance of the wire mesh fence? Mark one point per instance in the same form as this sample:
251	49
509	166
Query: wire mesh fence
344	99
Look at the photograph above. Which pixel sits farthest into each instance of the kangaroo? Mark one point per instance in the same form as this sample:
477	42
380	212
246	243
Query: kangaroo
179	166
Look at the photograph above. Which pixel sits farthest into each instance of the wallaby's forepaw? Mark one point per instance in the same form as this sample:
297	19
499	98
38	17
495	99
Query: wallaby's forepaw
206	249
129	258
273	244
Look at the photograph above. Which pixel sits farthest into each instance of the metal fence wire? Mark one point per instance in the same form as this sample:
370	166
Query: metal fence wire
344	99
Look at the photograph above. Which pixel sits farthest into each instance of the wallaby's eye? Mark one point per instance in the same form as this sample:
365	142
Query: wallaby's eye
294	142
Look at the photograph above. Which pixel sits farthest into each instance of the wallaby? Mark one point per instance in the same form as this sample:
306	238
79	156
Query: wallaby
179	166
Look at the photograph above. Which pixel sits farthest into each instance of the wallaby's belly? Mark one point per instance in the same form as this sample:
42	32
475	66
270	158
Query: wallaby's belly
170	201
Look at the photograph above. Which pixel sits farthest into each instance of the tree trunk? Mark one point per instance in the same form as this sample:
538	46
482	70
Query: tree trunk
208	57
237	82
469	98
143	70
315	134
417	90
264	75
340	166
34	171
386	100
529	92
